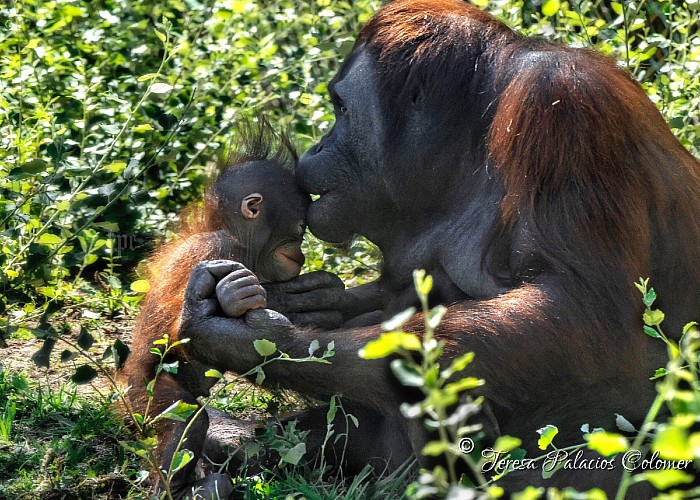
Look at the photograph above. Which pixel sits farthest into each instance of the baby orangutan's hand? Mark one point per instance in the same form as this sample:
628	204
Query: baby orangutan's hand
239	292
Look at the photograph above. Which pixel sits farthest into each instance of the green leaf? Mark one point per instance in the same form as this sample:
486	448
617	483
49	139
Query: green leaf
435	316
547	434
662	479
84	374
68	355
388	343
460	363
650	296
112	227
120	352
49	239
651	332
506	443
146	77
407	374
607	443
411	410
623	424
160	35
422	282
213	373
435	448
439	398
140	286
265	347
62	206
160	88
171	367
653	317
688	326
178	411
672	443
42	356
180	460
529	493
85	339
259	375
34	167
313	347
616	7
180	342
551	7
660	372
294	454
332	410
549	471
140	129
398	320
109	128
463	385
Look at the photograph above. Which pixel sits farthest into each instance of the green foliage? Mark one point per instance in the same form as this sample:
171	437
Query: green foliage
110	112
656	40
110	115
446	407
547	434
55	440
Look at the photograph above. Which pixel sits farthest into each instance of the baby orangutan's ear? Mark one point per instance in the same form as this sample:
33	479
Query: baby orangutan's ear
250	206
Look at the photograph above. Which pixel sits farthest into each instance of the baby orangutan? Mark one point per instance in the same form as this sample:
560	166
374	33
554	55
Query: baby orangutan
253	214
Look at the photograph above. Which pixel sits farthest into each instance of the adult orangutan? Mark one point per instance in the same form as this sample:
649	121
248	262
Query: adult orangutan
536	182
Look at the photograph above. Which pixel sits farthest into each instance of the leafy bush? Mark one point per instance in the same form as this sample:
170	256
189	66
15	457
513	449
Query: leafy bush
111	112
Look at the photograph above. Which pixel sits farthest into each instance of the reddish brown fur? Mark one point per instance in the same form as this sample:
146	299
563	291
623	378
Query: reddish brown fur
202	235
597	193
168	271
581	187
199	237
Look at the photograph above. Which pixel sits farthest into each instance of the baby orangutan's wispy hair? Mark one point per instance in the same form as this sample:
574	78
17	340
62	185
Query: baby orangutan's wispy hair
256	140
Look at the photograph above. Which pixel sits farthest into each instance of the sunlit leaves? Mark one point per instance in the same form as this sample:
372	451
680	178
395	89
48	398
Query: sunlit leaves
180	460
672	443
264	347
49	239
653	317
406	373
398	320
213	373
178	411
662	479
550	7
140	286
160	88
607	443
294	454
388	343
547	434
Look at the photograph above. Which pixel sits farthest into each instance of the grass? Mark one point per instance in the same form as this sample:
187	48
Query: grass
61	444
